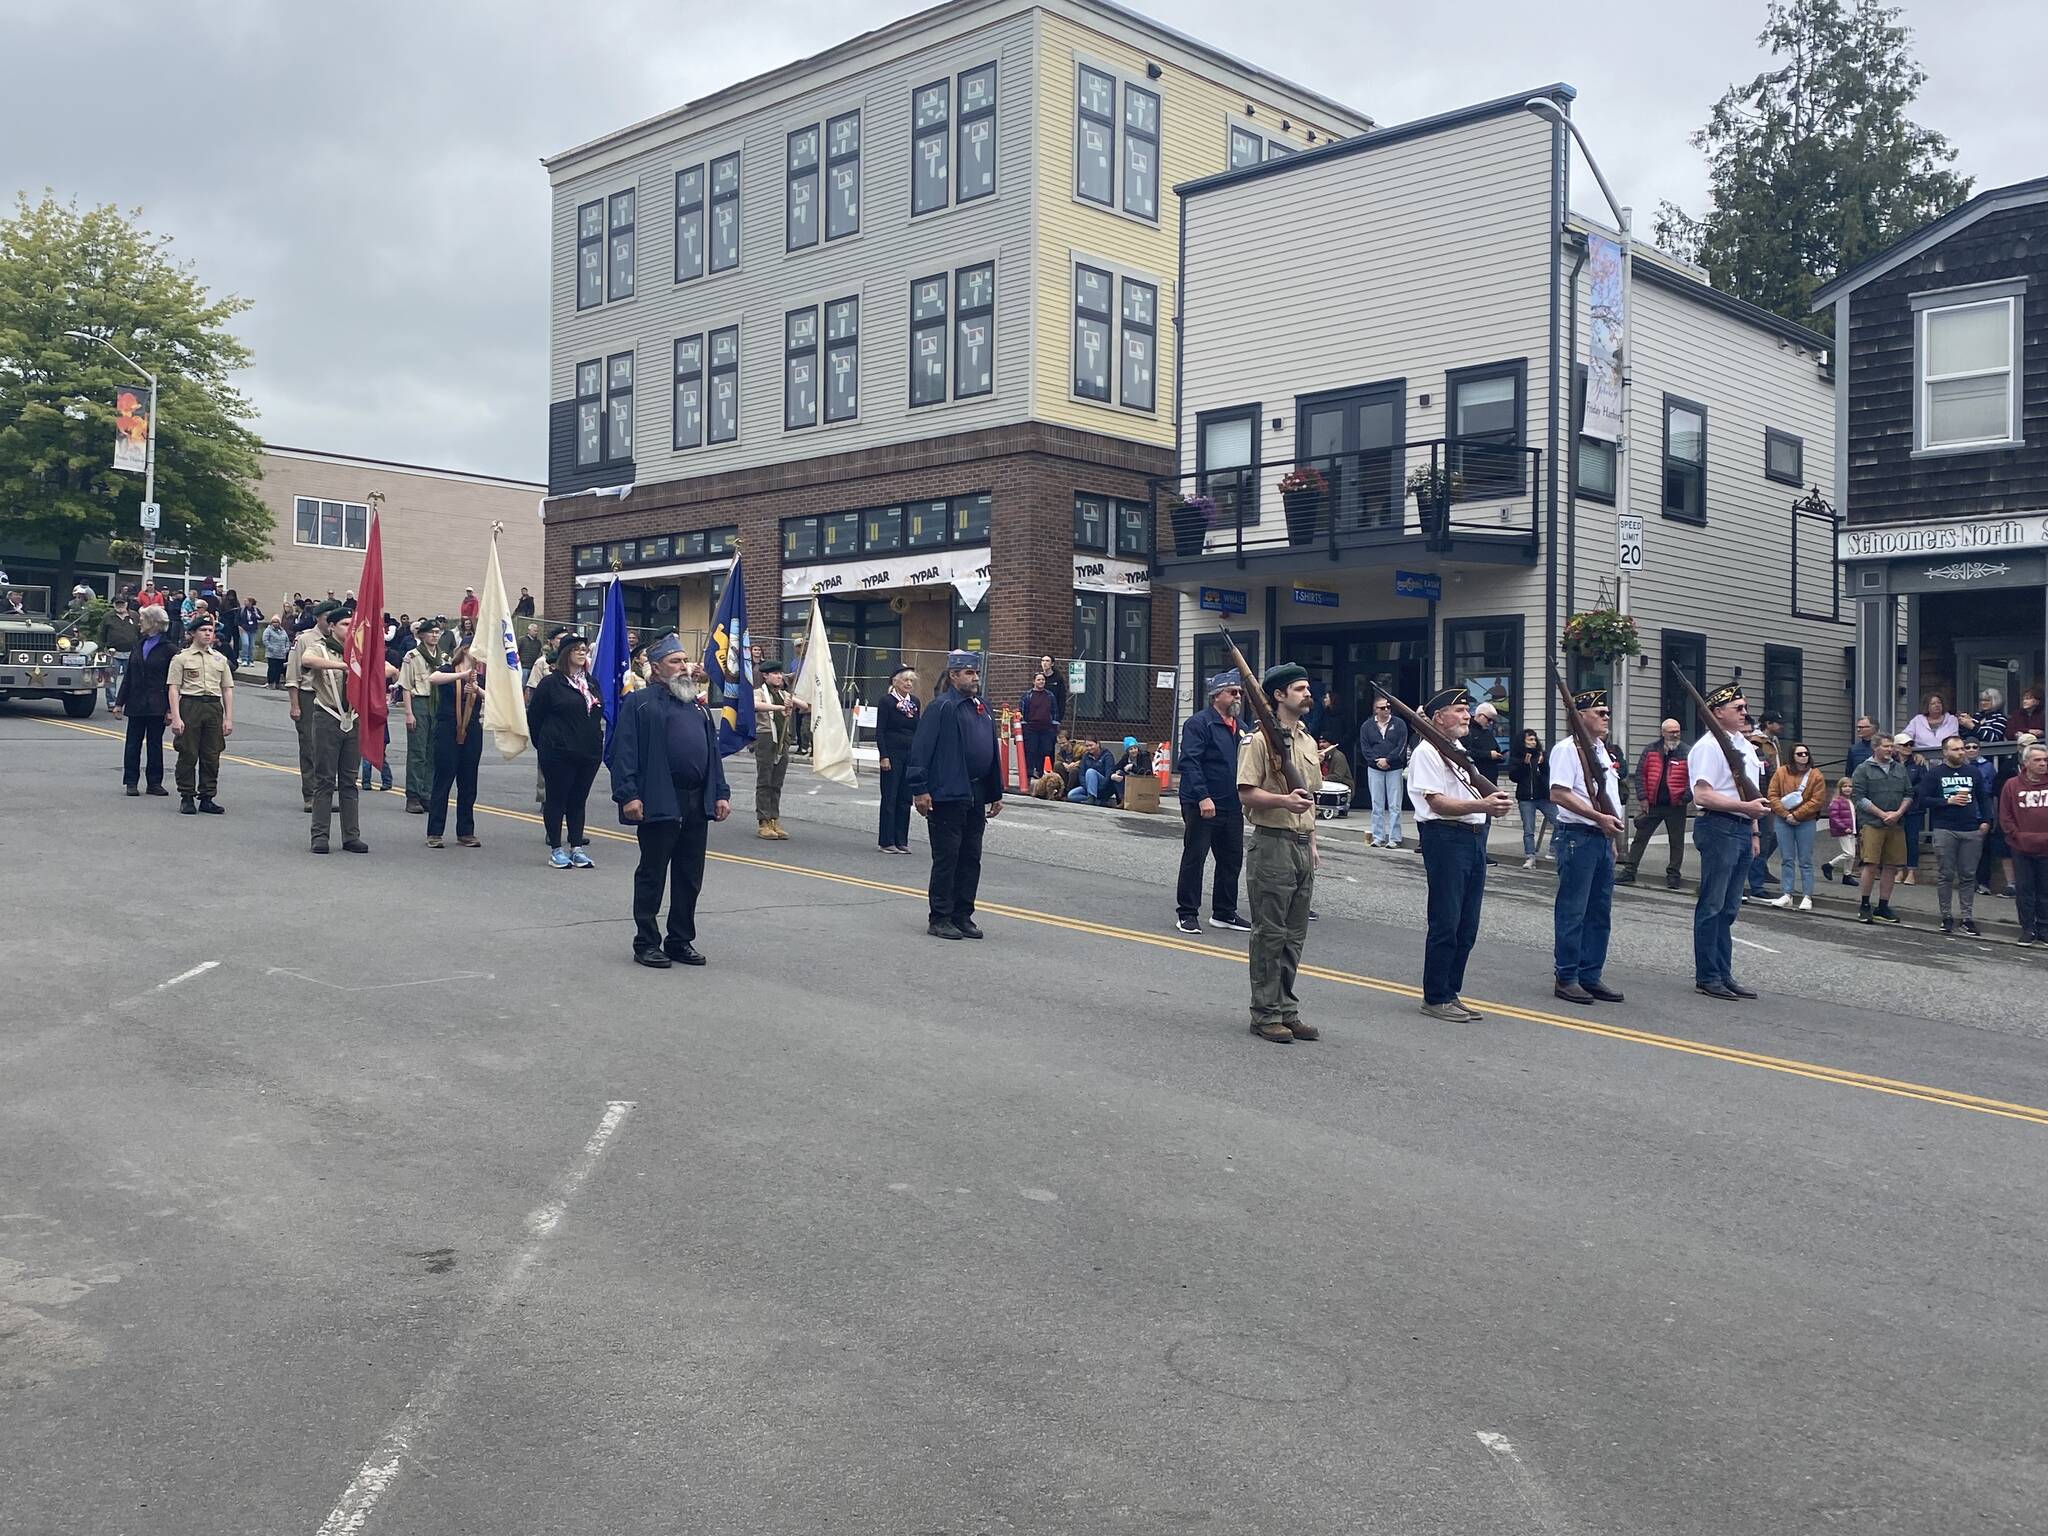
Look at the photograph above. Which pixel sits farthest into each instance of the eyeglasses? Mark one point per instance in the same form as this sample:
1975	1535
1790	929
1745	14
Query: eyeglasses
1603	714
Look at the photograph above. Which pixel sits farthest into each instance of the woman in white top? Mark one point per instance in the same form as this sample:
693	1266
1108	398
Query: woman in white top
1933	725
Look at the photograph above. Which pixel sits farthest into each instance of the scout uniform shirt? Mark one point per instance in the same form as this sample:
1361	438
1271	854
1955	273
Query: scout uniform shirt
413	675
200	674
294	671
1430	773
1256	769
330	687
1567	772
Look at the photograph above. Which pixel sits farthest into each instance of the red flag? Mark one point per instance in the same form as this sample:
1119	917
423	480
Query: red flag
367	694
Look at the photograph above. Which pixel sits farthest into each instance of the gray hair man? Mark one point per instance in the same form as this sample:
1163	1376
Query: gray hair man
1212	818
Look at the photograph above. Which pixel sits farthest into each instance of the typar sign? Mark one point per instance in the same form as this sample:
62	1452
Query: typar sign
1965	536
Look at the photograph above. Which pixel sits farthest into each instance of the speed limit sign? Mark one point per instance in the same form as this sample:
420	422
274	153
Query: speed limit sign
1629	546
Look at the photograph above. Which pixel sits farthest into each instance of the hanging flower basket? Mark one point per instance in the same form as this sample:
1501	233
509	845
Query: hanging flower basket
1602	634
1303	492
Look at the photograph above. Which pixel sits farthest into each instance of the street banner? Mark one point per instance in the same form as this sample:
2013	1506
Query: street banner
817	687
609	658
131	428
368	694
504	684
1605	327
729	667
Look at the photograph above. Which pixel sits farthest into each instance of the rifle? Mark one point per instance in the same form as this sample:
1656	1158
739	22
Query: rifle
1722	739
1262	707
1452	753
1589	761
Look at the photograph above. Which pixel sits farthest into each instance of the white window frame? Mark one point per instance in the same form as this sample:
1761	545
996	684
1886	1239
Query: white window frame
346	508
1119	274
1121	81
2009	296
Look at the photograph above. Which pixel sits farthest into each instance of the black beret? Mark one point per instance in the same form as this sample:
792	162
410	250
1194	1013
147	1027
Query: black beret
1450	698
1589	698
1727	693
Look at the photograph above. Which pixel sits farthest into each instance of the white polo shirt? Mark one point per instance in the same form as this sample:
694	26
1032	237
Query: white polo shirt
1428	774
1567	772
1707	764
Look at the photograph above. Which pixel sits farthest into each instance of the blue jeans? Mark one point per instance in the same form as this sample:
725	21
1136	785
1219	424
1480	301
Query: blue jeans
1454	859
1723	842
1093	782
1385	784
1534	812
1585	898
1795	856
118	671
1760	868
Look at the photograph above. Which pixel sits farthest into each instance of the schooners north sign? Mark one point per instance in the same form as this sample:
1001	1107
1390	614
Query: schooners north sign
1969	536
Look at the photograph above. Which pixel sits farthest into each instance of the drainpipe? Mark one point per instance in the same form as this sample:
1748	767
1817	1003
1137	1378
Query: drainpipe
1571	494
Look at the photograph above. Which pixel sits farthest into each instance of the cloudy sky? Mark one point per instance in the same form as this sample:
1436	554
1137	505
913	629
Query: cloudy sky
368	174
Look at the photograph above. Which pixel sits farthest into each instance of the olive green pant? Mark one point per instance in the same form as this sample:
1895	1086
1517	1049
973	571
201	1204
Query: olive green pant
199	746
419	753
1279	879
304	725
770	767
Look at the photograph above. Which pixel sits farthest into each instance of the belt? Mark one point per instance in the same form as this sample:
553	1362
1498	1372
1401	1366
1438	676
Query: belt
1723	816
1289	833
213	696
1442	824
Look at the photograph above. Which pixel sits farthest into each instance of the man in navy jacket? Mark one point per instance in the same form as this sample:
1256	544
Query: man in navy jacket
957	786
669	782
1211	817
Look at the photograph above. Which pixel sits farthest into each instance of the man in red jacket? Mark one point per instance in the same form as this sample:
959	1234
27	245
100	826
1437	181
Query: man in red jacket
2023	818
1665	795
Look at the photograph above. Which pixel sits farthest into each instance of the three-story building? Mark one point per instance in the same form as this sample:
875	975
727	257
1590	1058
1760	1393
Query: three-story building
895	317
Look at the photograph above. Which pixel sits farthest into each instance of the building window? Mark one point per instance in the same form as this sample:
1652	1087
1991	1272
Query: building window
1130	686
590	255
1095	137
1092	290
619	407
1685	460
970	518
1113	629
1968	384
619	277
974	348
1784	457
1134	529
724	425
977	134
800	228
930	146
1277	149
725	212
924	524
842	359
799	540
928	340
1484	657
589	414
1593	471
881	531
800	369
1141	152
1137	388
1211	658
963	521
1784	665
1688	652
1226	448
842	176
1484	410
689	223
1091	523
1245	148
321	524
689	415
970	625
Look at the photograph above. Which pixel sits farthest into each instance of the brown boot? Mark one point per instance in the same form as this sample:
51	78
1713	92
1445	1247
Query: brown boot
781	835
766	831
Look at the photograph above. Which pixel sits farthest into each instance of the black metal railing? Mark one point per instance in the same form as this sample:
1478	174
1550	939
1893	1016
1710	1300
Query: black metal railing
1437	494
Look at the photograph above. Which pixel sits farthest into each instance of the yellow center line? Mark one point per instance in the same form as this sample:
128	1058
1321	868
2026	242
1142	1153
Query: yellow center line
1841	1077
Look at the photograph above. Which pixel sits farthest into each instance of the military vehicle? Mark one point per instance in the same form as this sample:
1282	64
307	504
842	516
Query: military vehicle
36	664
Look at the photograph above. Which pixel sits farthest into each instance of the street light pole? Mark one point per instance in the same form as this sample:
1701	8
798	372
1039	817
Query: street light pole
148	453
1545	108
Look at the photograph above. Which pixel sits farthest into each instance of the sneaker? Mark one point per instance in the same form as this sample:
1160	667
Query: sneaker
2010	893
161	792
1884	913
1827	873
558	858
470	842
133	790
1745	898
435	842
354	845
578	859
1863	913
939	928
1970	927
1187	925
1234	922
187	806
1449	1013
1622	876
969	929
1467	1009
1806	903
1948	925
1782	901
1313	914
1671	881
1622	879
212	808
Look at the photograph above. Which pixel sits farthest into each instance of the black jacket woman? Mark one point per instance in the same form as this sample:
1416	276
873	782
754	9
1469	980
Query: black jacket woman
565	718
145	698
1529	767
895	726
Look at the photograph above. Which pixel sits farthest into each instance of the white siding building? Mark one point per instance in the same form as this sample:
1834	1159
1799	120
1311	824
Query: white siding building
1413	302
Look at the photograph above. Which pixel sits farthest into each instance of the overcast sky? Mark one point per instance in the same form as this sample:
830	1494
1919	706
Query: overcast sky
368	174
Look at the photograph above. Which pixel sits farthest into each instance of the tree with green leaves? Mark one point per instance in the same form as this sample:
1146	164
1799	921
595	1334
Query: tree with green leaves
97	271
1815	164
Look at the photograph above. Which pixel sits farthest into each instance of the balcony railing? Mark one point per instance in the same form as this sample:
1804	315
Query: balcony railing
1453	496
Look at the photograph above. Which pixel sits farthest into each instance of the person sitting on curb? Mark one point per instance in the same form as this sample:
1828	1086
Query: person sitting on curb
1092	769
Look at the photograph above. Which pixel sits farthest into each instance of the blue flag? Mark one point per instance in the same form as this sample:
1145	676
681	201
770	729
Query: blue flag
729	667
608	666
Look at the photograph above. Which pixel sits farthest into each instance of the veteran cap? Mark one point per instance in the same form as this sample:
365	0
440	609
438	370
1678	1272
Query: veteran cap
962	661
1727	693
1589	698
1450	698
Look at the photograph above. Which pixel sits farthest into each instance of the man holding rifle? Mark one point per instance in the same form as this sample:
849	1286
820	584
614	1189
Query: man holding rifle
1279	771
1586	828
1725	833
1452	815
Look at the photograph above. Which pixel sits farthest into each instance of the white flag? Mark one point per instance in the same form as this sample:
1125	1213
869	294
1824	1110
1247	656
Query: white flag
498	648
817	686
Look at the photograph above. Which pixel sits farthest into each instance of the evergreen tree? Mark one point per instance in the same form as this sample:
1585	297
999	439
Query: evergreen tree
97	271
1814	164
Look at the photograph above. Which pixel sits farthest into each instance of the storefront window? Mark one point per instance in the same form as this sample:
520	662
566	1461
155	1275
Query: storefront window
1132	680
1485	657
1091	640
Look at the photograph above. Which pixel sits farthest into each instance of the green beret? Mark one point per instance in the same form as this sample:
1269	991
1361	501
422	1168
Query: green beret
1285	675
330	611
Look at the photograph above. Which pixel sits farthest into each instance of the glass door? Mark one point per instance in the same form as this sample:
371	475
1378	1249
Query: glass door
1354	438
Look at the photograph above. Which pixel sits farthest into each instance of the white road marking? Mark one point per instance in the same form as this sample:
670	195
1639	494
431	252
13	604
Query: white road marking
198	970
1752	944
1534	1498
359	1500
380	986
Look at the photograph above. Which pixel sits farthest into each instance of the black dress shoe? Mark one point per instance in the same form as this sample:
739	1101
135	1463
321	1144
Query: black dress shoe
653	959
132	790
938	928
969	929
1714	989
1738	990
213	808
683	954
1600	994
158	789
187	806
1624	876
1571	992
354	845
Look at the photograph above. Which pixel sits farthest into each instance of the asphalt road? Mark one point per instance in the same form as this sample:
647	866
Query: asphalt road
420	1210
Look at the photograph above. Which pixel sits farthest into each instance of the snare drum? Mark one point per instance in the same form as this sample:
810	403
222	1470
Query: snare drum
1332	801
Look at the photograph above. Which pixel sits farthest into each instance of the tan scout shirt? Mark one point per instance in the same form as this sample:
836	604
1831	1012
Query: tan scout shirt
329	687
294	672
413	673
1257	770
200	673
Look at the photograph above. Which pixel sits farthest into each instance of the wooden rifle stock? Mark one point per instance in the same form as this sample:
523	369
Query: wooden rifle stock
1262	710
1452	753
1589	761
1722	739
